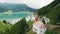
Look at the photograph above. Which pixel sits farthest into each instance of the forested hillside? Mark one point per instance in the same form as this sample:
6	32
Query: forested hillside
52	11
45	10
54	14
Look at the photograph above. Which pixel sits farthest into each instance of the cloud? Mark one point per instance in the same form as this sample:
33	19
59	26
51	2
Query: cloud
38	3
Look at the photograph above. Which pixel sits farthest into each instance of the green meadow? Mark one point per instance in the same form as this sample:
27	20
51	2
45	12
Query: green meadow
3	26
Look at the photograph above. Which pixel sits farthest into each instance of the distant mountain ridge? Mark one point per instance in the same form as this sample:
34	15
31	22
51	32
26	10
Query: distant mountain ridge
14	7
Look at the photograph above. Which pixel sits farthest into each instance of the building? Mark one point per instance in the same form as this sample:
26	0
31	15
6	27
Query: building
38	26
47	20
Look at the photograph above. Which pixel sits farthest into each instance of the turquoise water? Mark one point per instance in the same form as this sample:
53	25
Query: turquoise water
13	15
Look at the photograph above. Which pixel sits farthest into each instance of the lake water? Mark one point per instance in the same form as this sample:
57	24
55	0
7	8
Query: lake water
4	16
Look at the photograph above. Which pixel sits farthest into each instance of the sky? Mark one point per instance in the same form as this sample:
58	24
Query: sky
36	4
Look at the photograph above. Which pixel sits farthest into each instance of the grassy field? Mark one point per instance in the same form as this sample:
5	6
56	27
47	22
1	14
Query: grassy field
57	30
3	26
30	23
30	32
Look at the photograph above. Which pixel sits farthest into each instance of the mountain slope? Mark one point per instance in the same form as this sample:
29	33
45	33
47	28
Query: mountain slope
54	14
52	11
45	10
14	7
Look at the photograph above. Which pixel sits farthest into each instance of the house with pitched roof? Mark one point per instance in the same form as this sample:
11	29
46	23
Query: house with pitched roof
38	26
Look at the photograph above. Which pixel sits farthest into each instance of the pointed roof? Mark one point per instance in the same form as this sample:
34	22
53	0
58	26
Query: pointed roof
39	24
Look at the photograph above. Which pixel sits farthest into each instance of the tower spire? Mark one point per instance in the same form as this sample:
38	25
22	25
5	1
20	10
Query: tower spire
36	17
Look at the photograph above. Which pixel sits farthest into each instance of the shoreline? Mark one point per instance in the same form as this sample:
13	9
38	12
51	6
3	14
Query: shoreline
16	12
13	21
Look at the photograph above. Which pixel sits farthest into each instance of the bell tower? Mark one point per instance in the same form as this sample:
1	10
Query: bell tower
36	17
